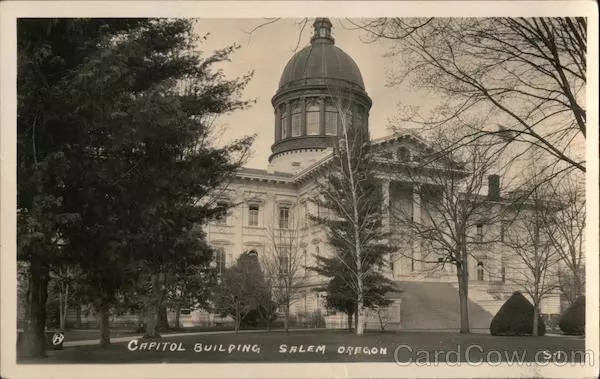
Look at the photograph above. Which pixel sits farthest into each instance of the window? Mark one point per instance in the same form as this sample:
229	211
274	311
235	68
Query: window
479	232
502	230
480	271
284	217
348	118
313	115
296	120
306	215
331	120
317	251
283	123
284	263
305	262
221	218
358	117
253	211
403	154
503	274
220	258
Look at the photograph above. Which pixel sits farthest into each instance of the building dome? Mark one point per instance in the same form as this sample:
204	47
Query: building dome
321	86
321	60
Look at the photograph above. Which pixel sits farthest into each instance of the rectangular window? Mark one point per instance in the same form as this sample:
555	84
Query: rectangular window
220	258
221	218
296	124
284	263
312	122
284	217
253	215
479	232
305	263
331	123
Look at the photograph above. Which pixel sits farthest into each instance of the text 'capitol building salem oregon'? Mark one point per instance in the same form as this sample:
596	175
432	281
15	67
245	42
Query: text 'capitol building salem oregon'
272	205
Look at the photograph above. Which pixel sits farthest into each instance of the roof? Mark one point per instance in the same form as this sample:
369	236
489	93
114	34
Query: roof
321	60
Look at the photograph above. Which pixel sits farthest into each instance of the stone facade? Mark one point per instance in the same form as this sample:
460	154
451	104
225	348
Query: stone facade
307	112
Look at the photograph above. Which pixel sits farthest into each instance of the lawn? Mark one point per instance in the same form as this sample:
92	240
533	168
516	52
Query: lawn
327	346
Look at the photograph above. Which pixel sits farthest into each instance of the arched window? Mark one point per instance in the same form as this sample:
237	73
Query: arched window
283	123
331	120
296	120
312	118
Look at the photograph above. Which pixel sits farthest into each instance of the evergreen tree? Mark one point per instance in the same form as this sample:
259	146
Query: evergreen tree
241	290
115	161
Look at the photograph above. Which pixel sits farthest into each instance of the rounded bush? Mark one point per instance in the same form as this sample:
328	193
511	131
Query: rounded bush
515	318
572	321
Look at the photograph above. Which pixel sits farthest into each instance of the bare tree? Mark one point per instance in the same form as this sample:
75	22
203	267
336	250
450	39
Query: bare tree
524	77
284	263
449	184
353	197
534	258
568	233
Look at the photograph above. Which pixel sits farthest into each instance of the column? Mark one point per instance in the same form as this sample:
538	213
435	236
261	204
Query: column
416	217
303	116
288	119
385	206
386	224
277	124
416	211
322	116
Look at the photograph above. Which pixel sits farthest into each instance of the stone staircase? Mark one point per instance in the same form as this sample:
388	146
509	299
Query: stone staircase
435	306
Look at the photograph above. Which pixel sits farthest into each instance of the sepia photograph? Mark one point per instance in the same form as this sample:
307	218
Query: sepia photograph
270	192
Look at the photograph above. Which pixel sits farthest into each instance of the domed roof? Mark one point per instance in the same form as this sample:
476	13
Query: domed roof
321	60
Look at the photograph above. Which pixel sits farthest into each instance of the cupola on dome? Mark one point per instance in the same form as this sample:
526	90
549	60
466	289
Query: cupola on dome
321	60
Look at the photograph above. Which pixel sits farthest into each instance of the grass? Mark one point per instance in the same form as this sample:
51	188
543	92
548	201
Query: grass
444	347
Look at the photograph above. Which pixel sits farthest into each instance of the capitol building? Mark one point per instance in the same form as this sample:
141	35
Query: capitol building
306	126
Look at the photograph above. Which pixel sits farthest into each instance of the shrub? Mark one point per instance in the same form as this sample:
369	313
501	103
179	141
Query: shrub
515	318
572	320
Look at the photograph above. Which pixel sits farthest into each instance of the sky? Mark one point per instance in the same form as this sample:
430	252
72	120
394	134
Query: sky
268	49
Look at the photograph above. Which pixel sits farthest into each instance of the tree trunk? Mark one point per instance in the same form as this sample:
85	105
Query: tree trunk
104	315
534	332
463	296
236	324
350	314
360	318
34	344
286	319
177	316
152	309
64	307
163	320
78	314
